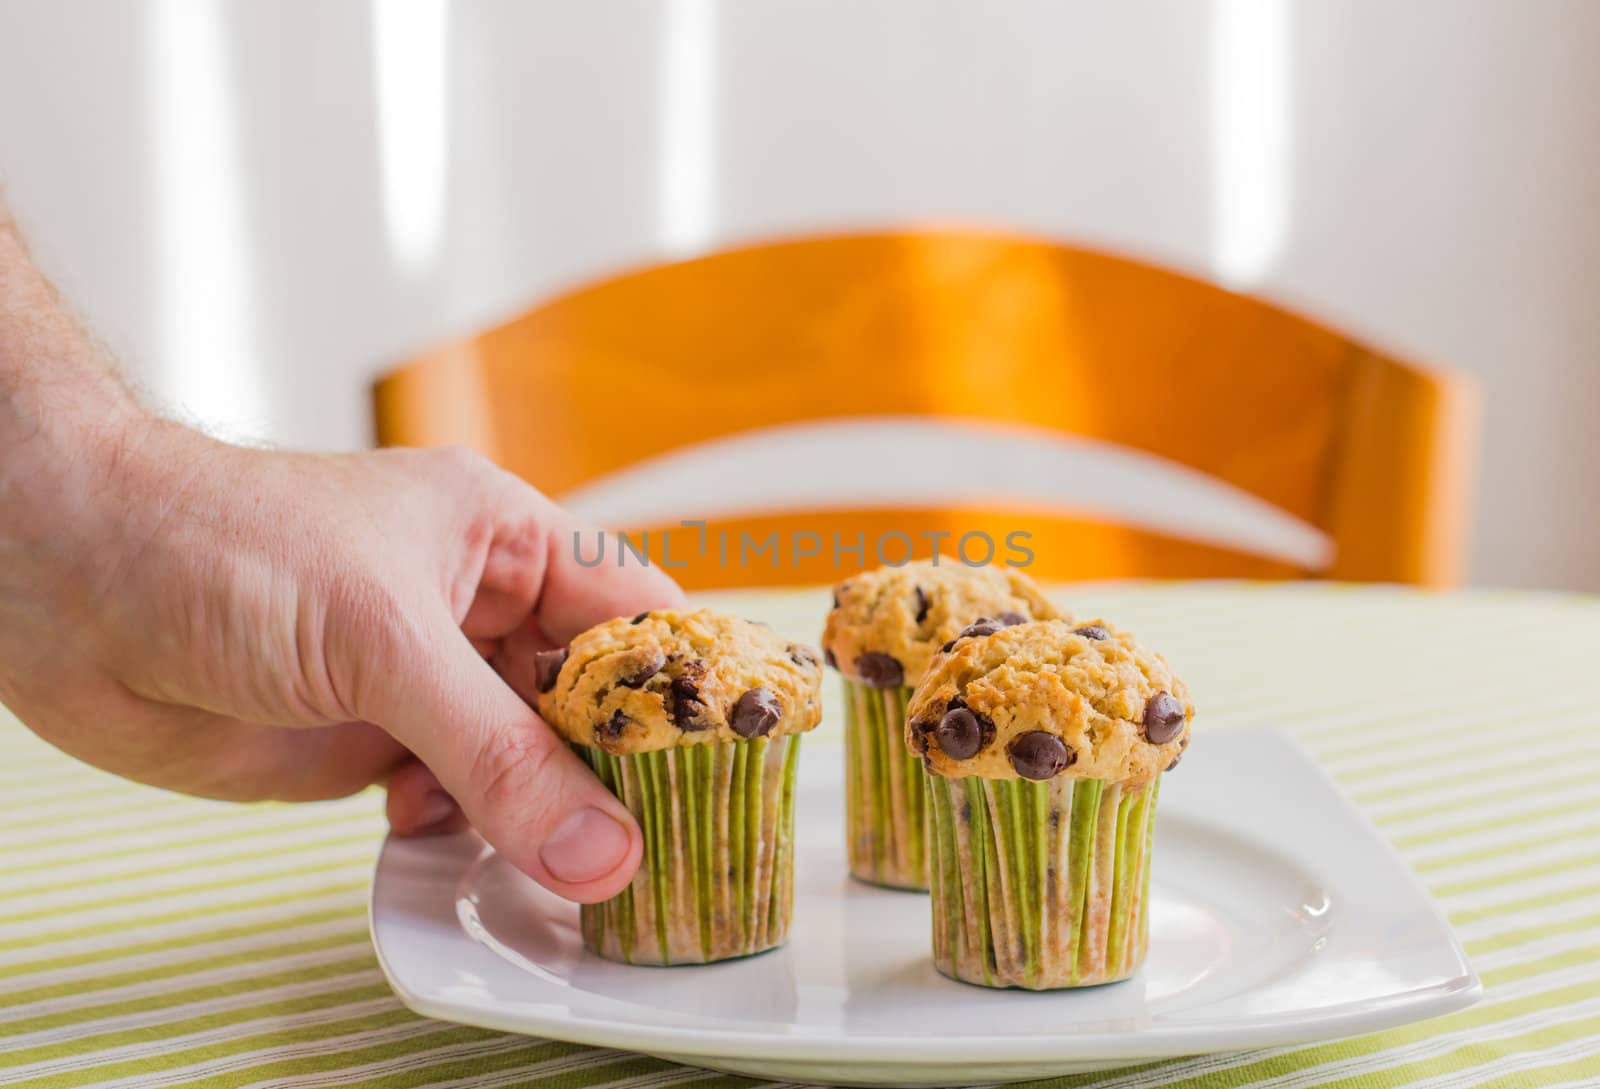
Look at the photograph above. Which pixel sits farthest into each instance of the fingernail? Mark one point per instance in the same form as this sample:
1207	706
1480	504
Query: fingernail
436	807
587	845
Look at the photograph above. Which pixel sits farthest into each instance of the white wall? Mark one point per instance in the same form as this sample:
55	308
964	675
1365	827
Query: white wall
260	204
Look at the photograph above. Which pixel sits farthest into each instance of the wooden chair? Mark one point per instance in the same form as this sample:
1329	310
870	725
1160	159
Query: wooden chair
983	331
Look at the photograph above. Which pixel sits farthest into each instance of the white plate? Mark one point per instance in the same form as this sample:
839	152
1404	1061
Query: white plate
1280	917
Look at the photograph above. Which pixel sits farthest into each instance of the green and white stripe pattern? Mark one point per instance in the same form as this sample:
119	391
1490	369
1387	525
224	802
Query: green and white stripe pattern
1041	885
706	810
150	940
886	793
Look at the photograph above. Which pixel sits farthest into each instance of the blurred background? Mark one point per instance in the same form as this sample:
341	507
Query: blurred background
262	206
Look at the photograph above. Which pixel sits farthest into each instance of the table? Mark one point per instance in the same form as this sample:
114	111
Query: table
149	939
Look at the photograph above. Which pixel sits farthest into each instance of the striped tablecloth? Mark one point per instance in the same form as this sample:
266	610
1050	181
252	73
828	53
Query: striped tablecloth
150	939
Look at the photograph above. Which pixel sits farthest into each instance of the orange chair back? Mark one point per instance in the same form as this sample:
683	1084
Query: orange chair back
983	330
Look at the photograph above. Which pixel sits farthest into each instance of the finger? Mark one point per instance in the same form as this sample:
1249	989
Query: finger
531	568
513	565
520	785
517	661
574	597
533	558
419	805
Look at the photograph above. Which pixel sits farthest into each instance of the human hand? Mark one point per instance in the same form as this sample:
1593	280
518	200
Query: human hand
247	624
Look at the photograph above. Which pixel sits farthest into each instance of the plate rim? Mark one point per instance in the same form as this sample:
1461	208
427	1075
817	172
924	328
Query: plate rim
1349	1019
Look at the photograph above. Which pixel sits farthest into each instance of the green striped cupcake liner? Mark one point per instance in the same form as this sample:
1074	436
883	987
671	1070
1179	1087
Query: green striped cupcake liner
717	878
886	796
1041	885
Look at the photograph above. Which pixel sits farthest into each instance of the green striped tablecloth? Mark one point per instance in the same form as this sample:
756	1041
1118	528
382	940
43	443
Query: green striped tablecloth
149	939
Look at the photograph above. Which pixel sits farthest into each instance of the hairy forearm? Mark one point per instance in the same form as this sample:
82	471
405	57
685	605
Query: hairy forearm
48	366
55	388
67	426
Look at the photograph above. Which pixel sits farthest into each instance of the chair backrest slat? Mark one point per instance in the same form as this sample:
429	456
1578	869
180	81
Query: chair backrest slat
965	326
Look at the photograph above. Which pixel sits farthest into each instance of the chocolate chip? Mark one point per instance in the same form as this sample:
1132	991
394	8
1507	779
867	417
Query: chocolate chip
922	605
547	667
1040	755
640	618
948	647
610	731
921	731
880	670
1092	631
756	713
959	737
959	734
980	627
648	667
802	655
1163	719
827	656
836	597
687	709
1183	747
1011	620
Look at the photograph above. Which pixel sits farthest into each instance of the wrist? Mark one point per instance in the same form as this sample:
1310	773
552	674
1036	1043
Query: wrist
60	452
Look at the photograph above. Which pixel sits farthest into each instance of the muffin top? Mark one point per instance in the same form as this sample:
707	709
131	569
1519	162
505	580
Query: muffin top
668	678
1052	698
887	624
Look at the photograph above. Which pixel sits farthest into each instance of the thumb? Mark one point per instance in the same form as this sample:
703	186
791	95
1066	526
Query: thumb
522	787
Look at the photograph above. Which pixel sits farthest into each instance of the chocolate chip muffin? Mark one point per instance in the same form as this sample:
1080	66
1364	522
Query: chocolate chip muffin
1044	743
1039	700
661	679
886	625
693	719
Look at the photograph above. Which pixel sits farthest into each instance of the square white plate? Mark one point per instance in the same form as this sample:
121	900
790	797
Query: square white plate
1280	917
